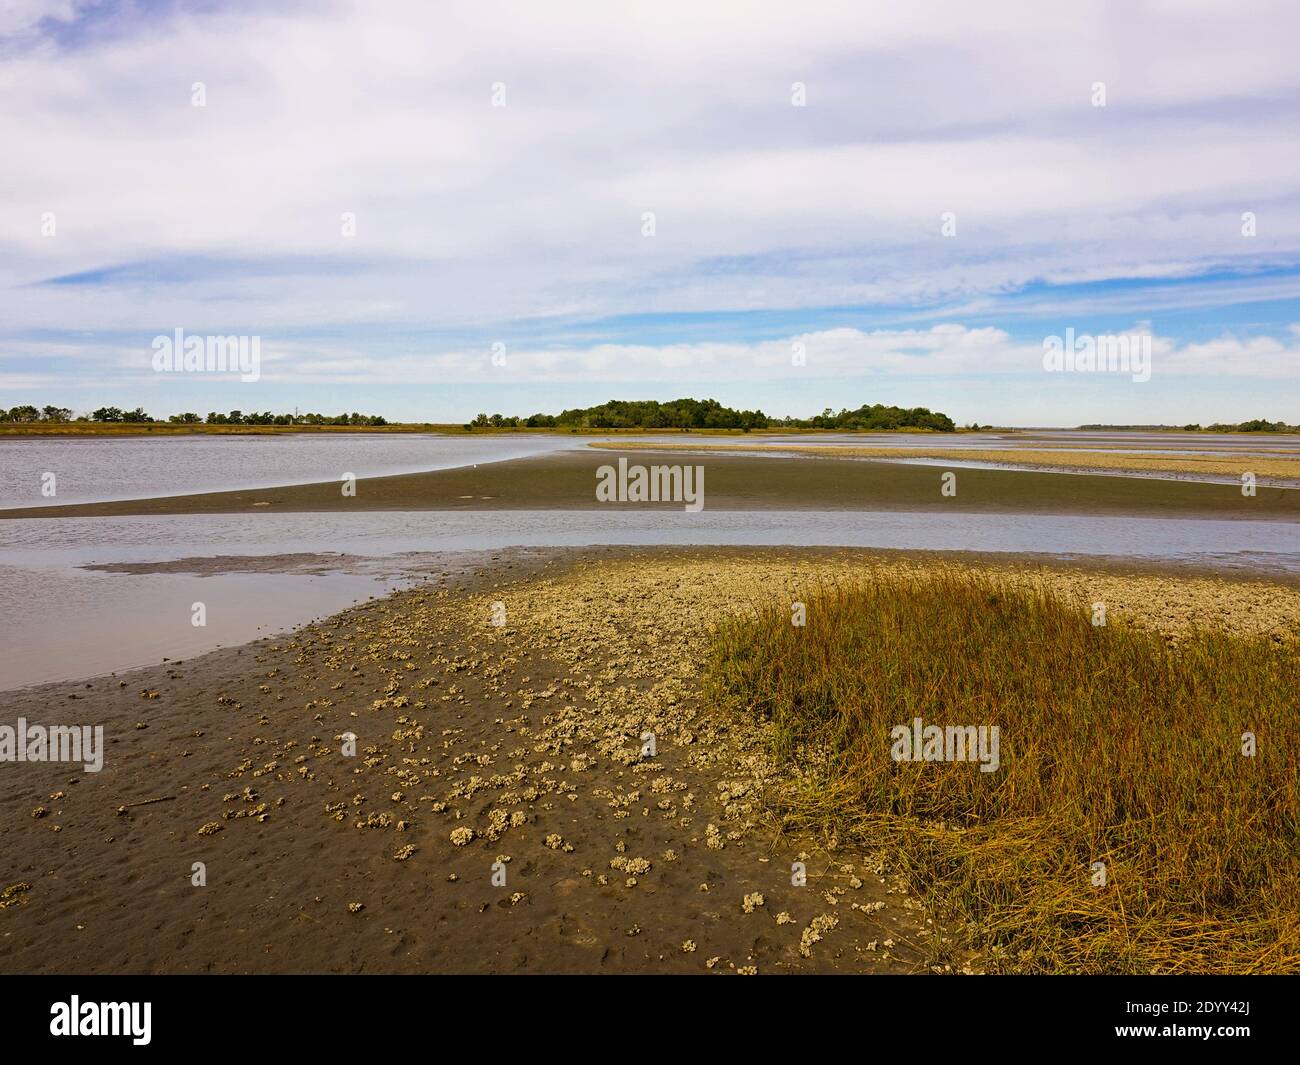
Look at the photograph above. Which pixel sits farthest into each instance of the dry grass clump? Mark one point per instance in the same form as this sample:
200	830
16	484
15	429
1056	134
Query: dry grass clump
1115	747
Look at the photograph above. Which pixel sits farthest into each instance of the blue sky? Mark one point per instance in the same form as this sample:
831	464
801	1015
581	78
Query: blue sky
382	195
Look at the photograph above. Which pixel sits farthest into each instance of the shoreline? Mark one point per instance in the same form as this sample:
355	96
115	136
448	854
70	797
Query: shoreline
390	574
1281	468
412	570
296	887
566	481
36	431
599	644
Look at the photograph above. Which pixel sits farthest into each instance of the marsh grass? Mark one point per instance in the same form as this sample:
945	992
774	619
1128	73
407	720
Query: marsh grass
1116	747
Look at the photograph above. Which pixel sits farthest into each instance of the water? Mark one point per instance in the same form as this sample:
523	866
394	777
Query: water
1148	475
100	469
82	623
73	617
96	470
66	619
1061	442
80	541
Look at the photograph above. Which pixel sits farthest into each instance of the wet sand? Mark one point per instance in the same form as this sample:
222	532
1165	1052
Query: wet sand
478	743
567	481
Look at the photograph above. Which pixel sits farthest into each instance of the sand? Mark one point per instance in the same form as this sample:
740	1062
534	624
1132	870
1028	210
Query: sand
477	744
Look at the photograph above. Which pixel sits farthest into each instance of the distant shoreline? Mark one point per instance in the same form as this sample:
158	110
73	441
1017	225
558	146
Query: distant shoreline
566	480
74	429
111	429
1275	465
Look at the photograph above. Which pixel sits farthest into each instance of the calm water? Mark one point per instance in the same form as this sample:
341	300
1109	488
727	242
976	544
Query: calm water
73	616
78	621
90	470
138	467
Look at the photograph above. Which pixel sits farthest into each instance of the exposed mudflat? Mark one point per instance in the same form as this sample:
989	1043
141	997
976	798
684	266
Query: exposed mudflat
514	747
567	481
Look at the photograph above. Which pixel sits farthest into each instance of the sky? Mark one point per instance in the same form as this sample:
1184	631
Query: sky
430	210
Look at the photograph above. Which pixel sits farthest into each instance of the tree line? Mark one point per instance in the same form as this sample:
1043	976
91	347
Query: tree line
684	414
710	414
115	415
1255	425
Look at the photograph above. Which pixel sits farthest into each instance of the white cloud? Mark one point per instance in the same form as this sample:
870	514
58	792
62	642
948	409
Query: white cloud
22	16
948	352
474	214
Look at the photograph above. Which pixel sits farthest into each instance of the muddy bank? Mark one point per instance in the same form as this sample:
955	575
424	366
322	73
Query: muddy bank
477	747
481	748
567	481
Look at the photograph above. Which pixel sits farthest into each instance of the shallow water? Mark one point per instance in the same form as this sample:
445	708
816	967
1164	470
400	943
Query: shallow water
1084	471
100	469
78	622
64	620
77	541
82	623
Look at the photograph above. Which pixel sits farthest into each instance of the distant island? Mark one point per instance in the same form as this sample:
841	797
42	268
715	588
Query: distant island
710	414
1255	425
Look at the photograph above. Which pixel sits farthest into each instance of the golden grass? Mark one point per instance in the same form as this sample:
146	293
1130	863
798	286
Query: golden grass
1262	463
1117	746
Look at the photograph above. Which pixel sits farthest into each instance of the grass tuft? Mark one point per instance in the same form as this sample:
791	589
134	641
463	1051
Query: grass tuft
1116	746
